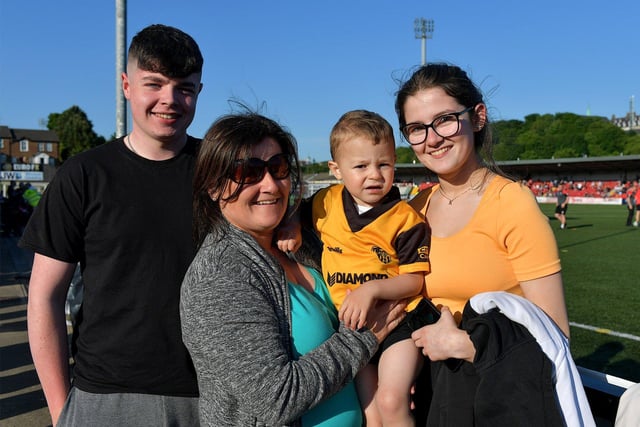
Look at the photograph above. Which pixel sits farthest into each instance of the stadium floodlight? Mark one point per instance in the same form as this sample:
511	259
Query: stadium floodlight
424	30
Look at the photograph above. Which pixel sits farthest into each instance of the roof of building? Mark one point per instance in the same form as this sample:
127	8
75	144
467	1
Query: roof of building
35	135
5	132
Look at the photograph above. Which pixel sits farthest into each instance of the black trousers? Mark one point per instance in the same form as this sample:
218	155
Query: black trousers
630	215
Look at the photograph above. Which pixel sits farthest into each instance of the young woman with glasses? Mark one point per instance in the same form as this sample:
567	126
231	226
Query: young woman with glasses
260	326
488	234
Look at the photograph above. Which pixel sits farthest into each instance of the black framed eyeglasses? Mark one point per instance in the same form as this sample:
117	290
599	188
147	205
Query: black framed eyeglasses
445	126
252	170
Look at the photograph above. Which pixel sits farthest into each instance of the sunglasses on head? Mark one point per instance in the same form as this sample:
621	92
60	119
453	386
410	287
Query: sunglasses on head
252	170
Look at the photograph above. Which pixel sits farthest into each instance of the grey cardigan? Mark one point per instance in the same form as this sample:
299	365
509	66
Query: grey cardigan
236	324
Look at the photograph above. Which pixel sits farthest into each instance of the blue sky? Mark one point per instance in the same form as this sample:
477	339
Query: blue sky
306	63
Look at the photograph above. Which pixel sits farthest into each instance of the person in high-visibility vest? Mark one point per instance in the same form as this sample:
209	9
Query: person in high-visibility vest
31	196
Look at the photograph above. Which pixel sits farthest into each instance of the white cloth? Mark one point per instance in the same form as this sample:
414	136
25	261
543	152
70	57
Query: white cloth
568	385
629	408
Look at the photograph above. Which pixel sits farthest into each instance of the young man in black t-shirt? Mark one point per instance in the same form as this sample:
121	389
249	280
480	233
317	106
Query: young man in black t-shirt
123	212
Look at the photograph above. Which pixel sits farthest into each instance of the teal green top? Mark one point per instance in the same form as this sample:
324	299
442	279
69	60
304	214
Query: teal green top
313	320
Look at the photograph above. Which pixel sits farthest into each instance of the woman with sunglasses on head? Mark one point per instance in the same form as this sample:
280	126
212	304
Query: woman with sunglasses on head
488	235
260	326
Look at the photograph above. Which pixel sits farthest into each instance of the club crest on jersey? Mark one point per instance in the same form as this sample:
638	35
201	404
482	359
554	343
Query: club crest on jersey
384	257
423	252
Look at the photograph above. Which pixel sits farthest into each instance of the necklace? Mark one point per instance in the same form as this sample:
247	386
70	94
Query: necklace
473	187
128	140
451	199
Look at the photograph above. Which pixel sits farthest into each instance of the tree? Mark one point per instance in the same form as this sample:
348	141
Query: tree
74	130
603	139
405	155
313	168
505	135
632	145
566	136
561	135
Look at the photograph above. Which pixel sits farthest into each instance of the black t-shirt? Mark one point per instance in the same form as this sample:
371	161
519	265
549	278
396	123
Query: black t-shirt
128	221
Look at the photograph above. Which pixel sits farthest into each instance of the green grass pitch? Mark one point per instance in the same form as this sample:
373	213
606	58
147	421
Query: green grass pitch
601	273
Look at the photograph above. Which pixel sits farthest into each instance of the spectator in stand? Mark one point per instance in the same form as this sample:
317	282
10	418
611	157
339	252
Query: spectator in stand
562	202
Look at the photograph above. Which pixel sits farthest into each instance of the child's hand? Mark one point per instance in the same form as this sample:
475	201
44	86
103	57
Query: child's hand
353	311
289	236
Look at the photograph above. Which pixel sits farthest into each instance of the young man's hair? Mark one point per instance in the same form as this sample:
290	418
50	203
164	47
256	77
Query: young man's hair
166	50
360	123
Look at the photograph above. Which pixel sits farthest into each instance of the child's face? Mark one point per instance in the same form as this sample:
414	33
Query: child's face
367	170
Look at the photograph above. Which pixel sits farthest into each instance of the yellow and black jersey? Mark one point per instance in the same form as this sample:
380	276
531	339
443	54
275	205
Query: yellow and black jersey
388	240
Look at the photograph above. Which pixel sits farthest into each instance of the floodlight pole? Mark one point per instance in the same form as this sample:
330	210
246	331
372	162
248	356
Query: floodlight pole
423	30
121	52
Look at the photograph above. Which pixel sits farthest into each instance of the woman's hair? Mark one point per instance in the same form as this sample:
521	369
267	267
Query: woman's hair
456	83
360	123
231	138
